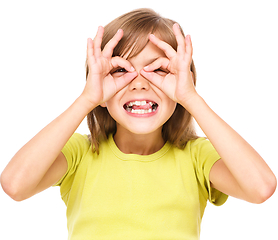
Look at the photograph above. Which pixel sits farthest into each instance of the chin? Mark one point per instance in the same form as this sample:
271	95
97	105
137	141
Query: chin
142	129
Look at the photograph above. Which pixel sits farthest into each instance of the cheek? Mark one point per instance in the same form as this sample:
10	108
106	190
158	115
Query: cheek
115	109
171	108
113	103
111	108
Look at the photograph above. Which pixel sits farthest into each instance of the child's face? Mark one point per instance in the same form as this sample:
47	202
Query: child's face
140	107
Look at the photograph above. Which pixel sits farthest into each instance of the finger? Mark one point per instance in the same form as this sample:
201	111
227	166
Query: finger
165	47
109	47
180	39
97	42
153	77
125	80
159	63
188	44
90	51
121	62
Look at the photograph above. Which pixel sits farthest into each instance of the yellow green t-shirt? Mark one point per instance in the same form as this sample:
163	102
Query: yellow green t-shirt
117	196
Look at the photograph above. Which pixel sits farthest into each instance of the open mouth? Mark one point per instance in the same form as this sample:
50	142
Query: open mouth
141	107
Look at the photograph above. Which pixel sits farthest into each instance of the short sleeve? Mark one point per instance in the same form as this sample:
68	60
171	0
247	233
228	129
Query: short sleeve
74	151
206	156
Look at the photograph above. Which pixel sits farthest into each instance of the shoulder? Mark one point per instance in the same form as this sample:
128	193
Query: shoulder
197	150
76	147
197	142
78	140
197	146
204	156
200	145
75	151
200	151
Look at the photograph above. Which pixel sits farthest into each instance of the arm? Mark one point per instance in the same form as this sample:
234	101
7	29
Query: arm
241	172
39	164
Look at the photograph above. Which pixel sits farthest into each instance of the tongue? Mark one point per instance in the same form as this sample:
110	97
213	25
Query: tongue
147	106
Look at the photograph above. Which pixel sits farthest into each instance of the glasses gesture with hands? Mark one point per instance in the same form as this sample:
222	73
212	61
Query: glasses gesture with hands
177	84
101	85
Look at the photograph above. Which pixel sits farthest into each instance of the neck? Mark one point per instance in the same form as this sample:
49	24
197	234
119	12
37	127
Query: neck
142	144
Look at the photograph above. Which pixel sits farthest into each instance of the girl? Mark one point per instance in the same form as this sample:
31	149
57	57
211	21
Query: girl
142	173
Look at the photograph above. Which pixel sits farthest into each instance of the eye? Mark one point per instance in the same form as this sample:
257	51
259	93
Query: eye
161	71
119	70
116	73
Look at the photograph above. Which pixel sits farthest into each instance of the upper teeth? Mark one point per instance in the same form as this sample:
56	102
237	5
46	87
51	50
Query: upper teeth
139	103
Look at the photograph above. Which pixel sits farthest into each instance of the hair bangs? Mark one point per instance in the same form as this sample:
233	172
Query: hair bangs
137	29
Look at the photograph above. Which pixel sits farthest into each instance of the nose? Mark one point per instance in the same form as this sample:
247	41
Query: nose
139	83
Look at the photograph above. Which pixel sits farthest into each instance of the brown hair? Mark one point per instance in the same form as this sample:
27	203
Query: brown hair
137	26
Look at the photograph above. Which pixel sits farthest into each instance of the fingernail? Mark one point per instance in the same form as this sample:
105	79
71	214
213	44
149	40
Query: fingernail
132	69
146	67
177	25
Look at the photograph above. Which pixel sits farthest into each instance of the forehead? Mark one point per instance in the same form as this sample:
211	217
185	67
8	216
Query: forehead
134	41
148	55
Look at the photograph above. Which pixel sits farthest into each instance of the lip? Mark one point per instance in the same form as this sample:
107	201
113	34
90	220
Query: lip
141	115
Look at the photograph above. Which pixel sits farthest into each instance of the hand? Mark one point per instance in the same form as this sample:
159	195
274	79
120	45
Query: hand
177	82
101	85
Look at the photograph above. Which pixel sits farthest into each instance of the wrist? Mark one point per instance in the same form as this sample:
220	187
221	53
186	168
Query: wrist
192	104
84	104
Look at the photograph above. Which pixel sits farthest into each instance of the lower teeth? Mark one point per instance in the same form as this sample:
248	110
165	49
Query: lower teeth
141	111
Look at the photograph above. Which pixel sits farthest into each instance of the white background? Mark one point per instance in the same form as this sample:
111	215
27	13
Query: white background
42	58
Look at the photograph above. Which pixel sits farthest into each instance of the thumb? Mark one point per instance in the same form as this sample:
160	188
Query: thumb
124	80
153	77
